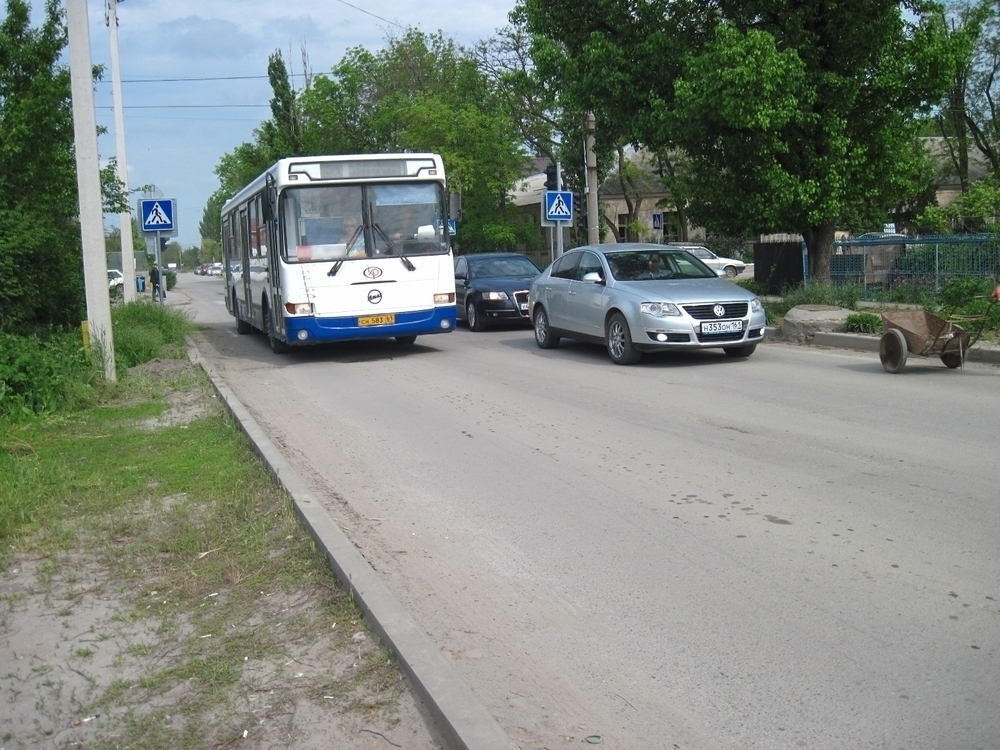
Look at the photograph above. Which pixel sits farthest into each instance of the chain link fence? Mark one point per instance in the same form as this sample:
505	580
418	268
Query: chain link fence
891	263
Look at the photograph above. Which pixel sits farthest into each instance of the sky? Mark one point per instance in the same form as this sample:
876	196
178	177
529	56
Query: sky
177	130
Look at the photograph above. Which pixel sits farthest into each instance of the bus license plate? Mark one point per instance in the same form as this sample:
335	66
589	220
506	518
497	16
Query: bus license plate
724	326
376	320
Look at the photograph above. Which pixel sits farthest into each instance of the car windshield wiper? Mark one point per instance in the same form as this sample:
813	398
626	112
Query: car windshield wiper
392	248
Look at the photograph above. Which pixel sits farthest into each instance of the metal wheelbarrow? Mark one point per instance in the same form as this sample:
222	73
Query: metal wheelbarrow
924	335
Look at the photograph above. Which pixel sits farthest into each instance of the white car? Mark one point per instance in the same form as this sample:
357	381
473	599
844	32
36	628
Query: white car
731	266
115	278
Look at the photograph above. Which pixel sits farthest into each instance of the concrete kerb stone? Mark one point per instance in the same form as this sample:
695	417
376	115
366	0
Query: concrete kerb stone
987	353
461	717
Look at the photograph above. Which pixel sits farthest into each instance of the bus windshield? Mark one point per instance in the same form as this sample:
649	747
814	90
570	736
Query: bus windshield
336	222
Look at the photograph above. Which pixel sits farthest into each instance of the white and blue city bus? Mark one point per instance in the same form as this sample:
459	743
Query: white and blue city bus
332	248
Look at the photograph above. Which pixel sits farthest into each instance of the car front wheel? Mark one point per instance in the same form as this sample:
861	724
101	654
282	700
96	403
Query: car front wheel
472	315
543	334
730	272
619	340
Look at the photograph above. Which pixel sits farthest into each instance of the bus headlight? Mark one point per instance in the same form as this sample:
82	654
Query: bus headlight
299	308
444	299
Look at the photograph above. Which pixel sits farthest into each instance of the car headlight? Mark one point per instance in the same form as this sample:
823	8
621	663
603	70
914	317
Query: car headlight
755	304
659	309
494	296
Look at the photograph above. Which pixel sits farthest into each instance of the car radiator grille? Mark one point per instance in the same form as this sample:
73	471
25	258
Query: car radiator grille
520	302
706	338
707	312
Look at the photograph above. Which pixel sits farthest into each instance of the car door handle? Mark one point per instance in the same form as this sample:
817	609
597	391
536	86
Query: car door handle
571	293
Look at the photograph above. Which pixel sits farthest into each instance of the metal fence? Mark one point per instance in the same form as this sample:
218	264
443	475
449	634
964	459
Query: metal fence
916	263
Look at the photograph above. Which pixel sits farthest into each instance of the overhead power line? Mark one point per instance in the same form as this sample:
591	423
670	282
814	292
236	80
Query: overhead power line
190	106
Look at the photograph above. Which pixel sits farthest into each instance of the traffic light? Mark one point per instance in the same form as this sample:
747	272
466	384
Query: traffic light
551	181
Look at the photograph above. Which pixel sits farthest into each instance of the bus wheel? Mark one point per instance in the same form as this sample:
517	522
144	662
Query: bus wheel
242	326
277	345
405	340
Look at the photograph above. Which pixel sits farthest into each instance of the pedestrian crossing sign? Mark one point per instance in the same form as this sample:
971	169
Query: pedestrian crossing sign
558	205
157	214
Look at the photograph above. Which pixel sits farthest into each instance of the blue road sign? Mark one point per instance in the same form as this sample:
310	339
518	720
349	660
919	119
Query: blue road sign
658	222
452	227
157	214
558	205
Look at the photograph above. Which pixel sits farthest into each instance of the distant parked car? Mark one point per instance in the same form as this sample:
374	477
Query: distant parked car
493	288
637	298
115	278
731	266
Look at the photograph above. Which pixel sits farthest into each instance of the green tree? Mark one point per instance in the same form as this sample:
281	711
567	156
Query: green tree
41	263
794	115
979	26
421	92
210	225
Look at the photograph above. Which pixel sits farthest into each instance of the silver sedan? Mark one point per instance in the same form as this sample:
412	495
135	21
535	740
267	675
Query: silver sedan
637	298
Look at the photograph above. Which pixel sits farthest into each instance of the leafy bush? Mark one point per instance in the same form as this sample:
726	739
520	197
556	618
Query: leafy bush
50	372
751	286
863	323
43	374
962	290
145	330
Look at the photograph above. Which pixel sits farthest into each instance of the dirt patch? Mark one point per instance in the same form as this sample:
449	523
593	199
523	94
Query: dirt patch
119	640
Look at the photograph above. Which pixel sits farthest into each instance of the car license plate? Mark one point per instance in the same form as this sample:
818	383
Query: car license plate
376	320
524	307
723	326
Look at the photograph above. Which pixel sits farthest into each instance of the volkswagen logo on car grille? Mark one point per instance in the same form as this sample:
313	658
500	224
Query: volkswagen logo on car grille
373	272
374	296
719	311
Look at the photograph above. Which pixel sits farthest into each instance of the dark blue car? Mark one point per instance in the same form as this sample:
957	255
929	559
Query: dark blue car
493	288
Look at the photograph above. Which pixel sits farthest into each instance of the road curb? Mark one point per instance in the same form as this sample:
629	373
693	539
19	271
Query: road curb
987	353
463	720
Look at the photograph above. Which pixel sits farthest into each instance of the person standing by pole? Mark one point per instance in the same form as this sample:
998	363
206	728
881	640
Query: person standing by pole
154	279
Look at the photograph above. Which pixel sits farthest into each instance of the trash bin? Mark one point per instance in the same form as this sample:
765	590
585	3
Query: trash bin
140	284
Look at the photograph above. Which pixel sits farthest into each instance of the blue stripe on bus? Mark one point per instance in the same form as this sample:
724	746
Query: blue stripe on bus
322	329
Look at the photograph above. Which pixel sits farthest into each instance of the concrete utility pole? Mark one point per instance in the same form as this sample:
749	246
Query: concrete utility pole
593	229
125	218
88	181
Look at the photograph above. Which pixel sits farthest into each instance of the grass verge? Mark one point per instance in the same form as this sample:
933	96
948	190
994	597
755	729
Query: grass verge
182	604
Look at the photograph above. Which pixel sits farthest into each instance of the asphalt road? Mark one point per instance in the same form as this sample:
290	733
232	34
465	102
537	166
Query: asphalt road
796	550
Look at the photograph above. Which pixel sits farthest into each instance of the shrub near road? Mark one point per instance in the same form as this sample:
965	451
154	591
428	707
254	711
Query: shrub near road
156	588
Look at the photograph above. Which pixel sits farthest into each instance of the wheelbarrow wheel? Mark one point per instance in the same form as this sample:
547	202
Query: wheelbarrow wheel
952	359
892	350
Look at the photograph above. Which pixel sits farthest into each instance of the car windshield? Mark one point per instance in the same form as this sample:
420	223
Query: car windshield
490	268
652	265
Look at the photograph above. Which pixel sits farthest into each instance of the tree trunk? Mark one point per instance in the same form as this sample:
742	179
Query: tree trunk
819	243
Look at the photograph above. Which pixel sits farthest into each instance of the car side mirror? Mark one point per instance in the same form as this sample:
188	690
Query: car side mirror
720	272
460	277
593	278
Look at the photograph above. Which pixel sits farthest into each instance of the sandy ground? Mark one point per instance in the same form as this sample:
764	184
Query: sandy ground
67	643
